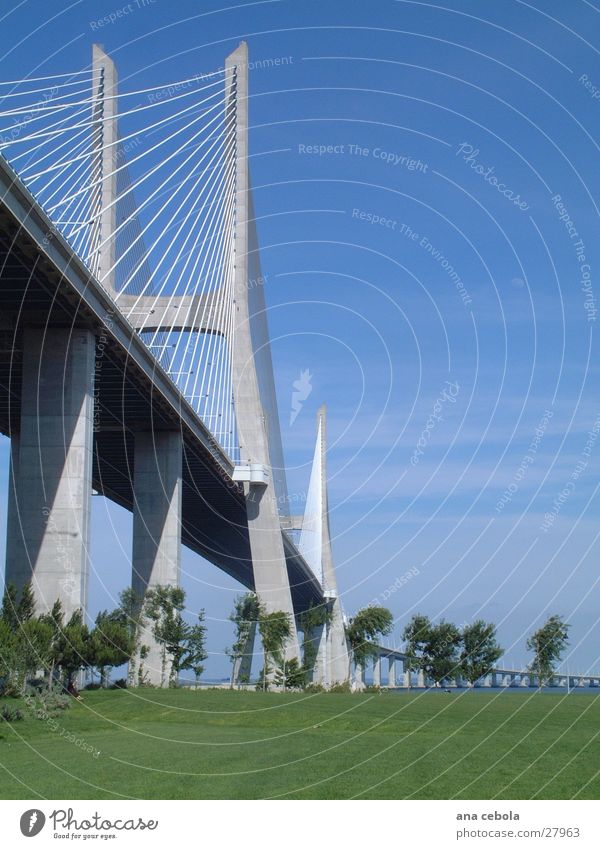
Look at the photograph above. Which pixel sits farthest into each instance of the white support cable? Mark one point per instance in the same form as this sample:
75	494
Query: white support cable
210	224
42	144
211	250
230	332
174	262
73	211
130	112
121	95
27	92
220	378
147	200
52	77
215	348
58	166
83	239
159	294
82	210
159	144
201	274
73	177
204	274
164	253
71	173
150	130
206	347
42	108
229	420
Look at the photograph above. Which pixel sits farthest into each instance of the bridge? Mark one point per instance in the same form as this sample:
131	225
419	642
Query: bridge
496	677
134	354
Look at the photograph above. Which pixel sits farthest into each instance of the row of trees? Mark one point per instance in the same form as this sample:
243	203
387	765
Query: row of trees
31	645
275	629
440	650
47	645
443	650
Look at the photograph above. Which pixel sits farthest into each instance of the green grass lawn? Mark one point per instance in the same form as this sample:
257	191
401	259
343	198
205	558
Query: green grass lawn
179	744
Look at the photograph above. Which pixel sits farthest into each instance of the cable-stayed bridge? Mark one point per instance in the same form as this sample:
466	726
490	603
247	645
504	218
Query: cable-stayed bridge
135	357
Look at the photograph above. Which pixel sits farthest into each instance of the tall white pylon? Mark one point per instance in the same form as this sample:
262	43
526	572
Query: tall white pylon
332	661
271	581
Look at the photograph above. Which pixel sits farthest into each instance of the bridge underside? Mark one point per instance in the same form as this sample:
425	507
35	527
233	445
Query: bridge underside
132	394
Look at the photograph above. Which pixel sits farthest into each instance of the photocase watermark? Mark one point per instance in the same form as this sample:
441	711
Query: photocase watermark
374	219
527	460
120	13
101	341
585	269
389	157
393	588
32	822
469	155
593	89
448	394
423	242
563	496
19	124
302	389
169	91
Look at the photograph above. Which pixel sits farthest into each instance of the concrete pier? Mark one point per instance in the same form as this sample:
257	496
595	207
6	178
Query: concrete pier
51	469
391	671
156	555
377	672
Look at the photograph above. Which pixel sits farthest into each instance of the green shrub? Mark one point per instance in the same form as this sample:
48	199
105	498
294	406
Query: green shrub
11	714
344	687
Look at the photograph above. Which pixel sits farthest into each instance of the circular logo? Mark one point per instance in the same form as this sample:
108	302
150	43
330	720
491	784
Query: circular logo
32	822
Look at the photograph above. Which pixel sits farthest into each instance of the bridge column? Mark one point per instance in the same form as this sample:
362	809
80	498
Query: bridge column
156	557
51	469
391	671
406	674
421	679
271	582
359	676
377	671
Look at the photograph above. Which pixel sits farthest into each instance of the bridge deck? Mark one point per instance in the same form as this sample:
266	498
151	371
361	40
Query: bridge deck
43	283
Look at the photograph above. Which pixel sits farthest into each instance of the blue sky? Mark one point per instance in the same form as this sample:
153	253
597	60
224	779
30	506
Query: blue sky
473	95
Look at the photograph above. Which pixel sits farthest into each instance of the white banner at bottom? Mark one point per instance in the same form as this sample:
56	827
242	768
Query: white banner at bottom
289	824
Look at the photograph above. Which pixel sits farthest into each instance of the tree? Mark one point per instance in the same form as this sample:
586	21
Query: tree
368	624
316	616
73	647
9	606
440	652
195	647
132	607
111	643
33	648
244	616
7	656
55	620
163	608
275	629
26	605
480	650
415	635
548	644
291	675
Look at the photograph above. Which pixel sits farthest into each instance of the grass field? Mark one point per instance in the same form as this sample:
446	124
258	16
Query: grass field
179	744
